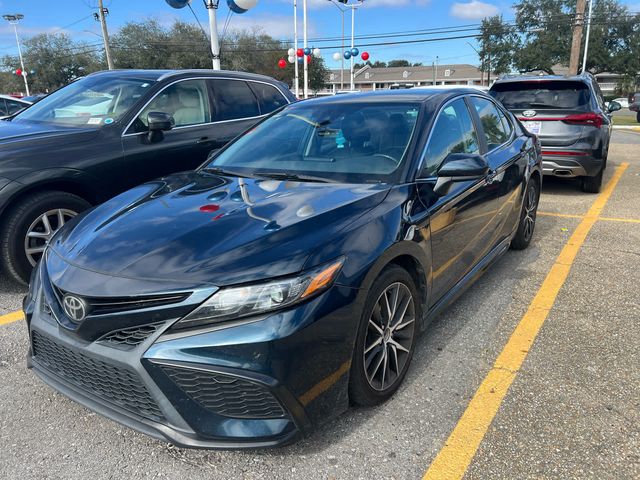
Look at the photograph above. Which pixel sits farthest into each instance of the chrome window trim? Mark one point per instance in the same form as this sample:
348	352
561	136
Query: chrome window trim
124	134
426	145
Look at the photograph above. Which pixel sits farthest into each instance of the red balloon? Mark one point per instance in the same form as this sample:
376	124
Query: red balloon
308	58
18	72
300	53
282	63
365	56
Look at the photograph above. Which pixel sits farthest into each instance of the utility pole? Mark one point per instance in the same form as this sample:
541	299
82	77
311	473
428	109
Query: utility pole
13	20
102	13
305	62
577	37
296	69
586	42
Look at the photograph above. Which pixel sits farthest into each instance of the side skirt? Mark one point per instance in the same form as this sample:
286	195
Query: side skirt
466	281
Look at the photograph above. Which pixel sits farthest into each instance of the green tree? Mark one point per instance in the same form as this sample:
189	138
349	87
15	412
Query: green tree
398	63
56	60
498	41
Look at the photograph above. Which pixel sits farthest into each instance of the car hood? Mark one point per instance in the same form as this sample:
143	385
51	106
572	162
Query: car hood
20	131
200	228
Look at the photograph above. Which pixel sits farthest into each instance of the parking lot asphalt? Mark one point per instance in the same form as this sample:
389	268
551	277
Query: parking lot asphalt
570	410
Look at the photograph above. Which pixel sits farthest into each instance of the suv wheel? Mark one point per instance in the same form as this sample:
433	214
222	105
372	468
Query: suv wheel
29	226
386	338
592	184
638	117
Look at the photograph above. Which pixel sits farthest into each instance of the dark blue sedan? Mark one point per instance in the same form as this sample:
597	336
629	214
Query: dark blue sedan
243	304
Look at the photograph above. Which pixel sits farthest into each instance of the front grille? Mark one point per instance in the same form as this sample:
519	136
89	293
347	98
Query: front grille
225	395
116	385
130	337
104	305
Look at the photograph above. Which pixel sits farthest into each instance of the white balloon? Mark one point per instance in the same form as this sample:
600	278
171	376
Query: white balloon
246	4
292	59
291	52
317	53
337	56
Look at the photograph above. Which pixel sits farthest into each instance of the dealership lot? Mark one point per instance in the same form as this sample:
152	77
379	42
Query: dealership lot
572	410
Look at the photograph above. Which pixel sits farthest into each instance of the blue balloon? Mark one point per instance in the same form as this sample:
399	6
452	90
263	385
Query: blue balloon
307	51
300	59
354	52
347	55
241	6
178	3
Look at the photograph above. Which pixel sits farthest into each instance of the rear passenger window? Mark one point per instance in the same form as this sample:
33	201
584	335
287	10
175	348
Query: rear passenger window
494	130
234	100
269	97
13	107
453	132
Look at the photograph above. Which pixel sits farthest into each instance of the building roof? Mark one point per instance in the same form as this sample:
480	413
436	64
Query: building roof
409	74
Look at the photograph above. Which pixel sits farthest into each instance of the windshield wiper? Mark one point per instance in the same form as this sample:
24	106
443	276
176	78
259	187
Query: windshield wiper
224	171
292	176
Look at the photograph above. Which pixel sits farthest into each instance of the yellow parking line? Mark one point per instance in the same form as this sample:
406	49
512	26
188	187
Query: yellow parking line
11	317
604	219
627	220
561	215
456	455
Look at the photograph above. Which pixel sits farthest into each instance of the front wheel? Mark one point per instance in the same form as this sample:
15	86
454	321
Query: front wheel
386	338
527	224
29	226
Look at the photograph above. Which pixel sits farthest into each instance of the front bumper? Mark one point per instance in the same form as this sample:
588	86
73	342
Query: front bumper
260	383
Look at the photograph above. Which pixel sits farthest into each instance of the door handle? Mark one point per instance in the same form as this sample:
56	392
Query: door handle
202	140
491	175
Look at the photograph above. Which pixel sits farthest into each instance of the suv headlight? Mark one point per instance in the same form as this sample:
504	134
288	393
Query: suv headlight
248	300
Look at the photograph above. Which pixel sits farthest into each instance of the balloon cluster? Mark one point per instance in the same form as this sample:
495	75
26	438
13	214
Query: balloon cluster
23	73
300	55
354	52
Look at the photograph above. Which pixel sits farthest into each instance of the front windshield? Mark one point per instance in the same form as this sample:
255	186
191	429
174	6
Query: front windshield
338	141
91	101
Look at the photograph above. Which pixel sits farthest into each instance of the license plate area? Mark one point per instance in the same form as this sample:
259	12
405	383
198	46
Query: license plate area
532	126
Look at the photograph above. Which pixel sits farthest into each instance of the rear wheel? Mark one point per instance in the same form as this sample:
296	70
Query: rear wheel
592	184
527	224
29	226
386	338
638	117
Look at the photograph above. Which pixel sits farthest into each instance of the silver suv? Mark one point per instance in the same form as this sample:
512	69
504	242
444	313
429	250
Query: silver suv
568	115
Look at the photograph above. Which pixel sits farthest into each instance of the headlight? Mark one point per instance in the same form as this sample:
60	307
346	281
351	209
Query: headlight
247	300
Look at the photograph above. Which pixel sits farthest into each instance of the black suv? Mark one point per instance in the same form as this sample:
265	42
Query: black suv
569	116
108	132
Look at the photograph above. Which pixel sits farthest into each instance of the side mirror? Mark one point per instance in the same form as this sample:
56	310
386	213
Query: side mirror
460	167
159	122
614	106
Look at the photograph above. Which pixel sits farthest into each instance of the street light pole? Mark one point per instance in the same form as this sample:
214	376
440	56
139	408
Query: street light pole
305	63
212	8
295	47
13	20
586	41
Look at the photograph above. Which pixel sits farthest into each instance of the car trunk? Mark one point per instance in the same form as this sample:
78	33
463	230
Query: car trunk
557	111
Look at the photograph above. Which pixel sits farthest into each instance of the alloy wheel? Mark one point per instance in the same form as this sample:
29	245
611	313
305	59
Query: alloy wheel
530	209
42	229
389	337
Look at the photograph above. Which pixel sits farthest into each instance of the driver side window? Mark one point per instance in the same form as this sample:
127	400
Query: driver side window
187	102
453	132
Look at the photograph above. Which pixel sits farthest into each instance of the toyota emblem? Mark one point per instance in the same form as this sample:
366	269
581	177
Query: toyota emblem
529	113
74	307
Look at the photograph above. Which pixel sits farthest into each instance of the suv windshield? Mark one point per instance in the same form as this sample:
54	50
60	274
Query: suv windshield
543	94
335	142
91	101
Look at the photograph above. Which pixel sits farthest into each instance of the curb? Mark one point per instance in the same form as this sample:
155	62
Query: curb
626	127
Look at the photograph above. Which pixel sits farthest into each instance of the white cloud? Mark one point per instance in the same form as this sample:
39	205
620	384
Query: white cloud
473	10
278	26
312	4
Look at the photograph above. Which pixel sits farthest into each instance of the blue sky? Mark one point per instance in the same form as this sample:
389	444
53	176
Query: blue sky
276	18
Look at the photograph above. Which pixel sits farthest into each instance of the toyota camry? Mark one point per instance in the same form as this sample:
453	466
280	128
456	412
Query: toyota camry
244	303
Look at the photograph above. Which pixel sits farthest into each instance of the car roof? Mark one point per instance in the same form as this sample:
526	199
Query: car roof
9	97
416	95
542	78
160	75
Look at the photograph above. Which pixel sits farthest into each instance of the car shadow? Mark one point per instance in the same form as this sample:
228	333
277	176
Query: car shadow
9	287
560	186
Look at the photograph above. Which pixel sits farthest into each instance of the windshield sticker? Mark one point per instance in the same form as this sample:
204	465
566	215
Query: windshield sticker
108	121
340	140
144	85
94	121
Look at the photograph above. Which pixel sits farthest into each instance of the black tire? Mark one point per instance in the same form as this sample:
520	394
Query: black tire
369	390
592	184
527	223
19	220
638	117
